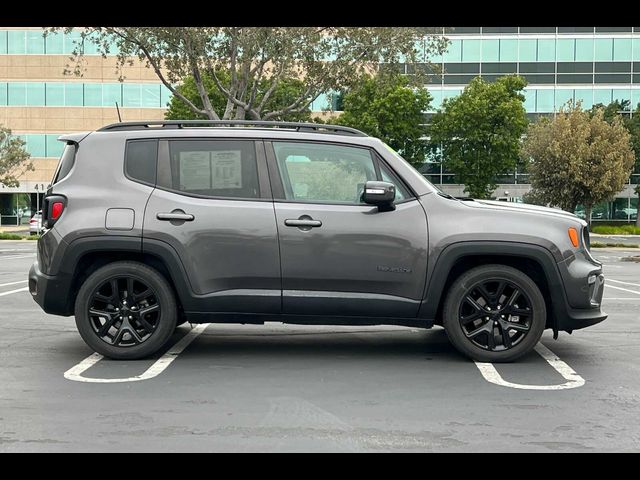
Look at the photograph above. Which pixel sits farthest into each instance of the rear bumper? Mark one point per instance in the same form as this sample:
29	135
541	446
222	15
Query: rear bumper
51	292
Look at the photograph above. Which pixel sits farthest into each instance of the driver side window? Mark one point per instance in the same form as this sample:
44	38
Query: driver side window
315	172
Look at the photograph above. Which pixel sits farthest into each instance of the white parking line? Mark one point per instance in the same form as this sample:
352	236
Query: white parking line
623	289
622	298
624	283
75	373
14	291
574	380
14	257
13	283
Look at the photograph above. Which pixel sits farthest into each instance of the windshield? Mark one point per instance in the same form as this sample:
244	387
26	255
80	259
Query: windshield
399	157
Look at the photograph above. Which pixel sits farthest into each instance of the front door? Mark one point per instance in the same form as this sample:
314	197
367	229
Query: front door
340	256
212	205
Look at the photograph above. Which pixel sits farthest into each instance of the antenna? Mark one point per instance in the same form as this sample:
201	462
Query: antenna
119	117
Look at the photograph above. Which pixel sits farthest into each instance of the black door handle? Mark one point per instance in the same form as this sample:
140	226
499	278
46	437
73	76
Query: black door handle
180	217
291	222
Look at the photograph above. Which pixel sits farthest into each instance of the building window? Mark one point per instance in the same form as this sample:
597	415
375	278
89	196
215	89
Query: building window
544	101
584	50
546	50
585	96
622	49
73	95
603	49
35	42
471	50
16	42
528	50
490	50
454	52
55	94
508	50
35	93
565	50
602	96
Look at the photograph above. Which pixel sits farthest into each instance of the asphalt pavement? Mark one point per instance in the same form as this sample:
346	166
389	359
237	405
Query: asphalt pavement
297	388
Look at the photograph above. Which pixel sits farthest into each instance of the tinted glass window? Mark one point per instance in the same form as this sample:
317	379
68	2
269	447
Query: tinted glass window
211	168
66	162
323	173
140	163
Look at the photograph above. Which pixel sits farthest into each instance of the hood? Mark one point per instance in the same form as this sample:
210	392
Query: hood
524	207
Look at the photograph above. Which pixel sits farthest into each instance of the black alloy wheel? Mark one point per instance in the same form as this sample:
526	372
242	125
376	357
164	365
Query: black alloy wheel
124	311
494	313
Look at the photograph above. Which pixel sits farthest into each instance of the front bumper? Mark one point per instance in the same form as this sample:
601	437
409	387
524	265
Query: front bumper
569	318
51	292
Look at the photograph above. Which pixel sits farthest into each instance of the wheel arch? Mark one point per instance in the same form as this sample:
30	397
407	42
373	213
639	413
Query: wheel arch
535	261
84	256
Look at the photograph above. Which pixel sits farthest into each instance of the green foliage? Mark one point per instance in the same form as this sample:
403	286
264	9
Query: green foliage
387	107
480	132
259	59
612	245
616	230
14	236
577	158
286	92
13	158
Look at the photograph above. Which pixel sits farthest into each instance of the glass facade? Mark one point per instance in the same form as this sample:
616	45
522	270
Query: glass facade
35	42
43	144
590	64
77	94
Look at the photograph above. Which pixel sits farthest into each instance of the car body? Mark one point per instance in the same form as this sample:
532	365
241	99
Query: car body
298	223
35	224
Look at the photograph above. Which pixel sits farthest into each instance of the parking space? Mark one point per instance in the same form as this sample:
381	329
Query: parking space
283	387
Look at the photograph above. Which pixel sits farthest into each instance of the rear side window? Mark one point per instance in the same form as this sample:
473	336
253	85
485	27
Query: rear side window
140	161
66	162
210	168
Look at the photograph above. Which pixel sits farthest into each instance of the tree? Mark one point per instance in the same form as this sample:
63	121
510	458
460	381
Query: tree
621	109
480	132
387	107
286	92
577	158
13	158
258	59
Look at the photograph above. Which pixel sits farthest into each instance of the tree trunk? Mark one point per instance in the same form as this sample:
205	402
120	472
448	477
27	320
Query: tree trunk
587	212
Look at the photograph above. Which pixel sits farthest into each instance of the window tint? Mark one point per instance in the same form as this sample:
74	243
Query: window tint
140	163
387	176
212	168
323	173
66	162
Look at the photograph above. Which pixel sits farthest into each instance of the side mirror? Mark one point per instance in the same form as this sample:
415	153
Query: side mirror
380	194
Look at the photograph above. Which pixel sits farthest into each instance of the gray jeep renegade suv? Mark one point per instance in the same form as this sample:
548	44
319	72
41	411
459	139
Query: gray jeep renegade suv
149	225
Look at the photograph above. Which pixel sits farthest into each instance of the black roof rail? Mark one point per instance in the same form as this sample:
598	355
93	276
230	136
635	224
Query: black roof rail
178	124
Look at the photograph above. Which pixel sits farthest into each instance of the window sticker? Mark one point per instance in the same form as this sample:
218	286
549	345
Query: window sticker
226	166
195	170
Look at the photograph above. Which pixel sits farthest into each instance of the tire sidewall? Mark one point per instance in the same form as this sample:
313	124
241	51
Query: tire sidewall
459	289
145	274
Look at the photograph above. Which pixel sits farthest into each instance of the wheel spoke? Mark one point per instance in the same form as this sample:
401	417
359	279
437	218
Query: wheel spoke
473	303
488	298
119	334
104	298
499	290
115	293
129	287
514	295
517	326
519	312
106	327
491	341
471	317
506	339
132	331
485	327
146	325
138	297
100	313
149	309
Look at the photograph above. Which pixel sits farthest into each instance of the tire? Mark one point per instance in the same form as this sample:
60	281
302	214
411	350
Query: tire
480	334
160	301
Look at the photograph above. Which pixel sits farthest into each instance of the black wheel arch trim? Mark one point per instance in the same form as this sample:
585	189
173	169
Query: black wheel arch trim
442	266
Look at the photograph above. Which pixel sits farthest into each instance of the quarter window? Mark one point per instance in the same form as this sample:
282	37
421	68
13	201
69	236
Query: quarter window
140	163
211	168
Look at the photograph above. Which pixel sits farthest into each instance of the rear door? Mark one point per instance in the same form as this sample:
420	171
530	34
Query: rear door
213	206
339	256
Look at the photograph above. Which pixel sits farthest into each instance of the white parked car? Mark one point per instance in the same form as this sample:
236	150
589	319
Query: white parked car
35	224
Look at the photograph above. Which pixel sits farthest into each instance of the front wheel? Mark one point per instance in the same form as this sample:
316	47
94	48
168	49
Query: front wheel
494	313
126	310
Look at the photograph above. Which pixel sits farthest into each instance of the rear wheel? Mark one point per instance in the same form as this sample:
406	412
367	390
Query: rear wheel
494	313
126	310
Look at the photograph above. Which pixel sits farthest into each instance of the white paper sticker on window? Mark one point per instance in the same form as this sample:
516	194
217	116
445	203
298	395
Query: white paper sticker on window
227	169
195	171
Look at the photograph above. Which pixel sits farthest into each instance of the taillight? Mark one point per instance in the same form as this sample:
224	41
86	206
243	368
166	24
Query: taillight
54	206
33	221
56	210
